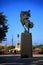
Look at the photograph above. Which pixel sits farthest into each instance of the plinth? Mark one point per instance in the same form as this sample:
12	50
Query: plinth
26	45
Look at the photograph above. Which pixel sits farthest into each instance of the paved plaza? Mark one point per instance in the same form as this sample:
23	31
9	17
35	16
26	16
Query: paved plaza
17	60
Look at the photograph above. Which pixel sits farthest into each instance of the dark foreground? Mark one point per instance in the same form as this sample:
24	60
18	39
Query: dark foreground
17	60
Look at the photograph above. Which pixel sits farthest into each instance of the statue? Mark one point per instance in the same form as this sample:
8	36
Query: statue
24	17
26	37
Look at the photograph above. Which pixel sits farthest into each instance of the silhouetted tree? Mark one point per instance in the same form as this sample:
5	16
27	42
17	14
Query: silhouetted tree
3	27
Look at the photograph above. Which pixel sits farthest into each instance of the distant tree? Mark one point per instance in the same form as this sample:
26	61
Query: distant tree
33	47
10	47
2	47
3	27
38	46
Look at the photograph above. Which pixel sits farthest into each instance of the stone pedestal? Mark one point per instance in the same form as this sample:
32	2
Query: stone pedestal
26	45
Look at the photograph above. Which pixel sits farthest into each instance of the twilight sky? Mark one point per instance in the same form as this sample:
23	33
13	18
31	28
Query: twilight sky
12	9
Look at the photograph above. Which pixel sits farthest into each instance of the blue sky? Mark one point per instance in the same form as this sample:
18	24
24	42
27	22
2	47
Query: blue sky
12	9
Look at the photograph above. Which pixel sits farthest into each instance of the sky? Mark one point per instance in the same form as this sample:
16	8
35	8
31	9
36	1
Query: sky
12	9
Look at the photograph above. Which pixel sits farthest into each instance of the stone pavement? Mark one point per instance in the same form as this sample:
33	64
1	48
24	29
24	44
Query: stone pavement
33	63
17	60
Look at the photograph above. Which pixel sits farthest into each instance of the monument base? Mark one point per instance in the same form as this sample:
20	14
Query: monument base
26	45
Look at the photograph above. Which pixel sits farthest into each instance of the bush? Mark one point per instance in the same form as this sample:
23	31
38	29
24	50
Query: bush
0	52
41	52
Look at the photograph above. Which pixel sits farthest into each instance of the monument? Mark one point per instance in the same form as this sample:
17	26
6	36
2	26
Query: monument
26	36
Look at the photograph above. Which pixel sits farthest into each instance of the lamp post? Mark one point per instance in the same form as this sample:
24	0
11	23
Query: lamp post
12	40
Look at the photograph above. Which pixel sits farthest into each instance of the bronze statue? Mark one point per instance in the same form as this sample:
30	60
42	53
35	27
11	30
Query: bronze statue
24	17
